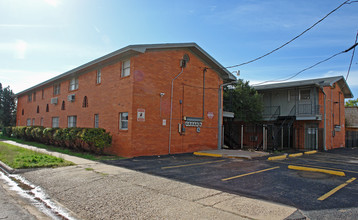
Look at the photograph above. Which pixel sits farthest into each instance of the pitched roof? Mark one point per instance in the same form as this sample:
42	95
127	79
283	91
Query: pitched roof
327	81
138	49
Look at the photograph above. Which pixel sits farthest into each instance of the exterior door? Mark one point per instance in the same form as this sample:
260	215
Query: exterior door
311	136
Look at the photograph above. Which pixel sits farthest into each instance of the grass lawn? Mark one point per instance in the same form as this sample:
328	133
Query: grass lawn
18	158
85	155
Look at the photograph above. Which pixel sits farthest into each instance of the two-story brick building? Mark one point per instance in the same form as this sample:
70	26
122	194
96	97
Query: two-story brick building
306	114
154	99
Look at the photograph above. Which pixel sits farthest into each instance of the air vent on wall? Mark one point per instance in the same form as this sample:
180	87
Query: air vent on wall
71	98
54	101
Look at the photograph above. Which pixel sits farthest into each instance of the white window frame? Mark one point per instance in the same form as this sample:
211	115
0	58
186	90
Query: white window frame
99	76
56	89
28	122
33	122
73	84
96	121
42	122
72	121
126	68
55	122
123	121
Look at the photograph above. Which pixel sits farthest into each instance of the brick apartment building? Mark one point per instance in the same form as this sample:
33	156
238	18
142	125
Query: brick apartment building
154	99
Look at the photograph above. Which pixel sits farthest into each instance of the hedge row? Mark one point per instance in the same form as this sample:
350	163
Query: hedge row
86	139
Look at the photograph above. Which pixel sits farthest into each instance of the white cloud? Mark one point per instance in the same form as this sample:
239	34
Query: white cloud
20	49
53	3
19	80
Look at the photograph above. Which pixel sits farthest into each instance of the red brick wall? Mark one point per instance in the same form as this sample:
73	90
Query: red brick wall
151	74
334	116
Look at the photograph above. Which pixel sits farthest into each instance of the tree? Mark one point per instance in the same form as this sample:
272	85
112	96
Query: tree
352	103
7	107
244	101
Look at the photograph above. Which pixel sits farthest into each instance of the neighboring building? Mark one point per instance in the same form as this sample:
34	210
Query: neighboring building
351	126
306	114
136	93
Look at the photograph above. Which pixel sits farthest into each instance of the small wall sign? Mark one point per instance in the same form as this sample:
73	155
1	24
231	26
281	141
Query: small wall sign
211	115
140	114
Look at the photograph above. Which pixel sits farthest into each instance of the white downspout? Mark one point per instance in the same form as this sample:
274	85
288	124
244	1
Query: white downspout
171	108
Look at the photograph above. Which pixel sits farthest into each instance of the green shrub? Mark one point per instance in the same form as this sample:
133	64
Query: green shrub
19	132
86	139
7	131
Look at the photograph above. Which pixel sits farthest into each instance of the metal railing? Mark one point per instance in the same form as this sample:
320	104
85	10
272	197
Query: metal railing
308	109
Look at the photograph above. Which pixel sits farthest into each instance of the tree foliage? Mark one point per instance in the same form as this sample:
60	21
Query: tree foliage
352	103
7	107
244	101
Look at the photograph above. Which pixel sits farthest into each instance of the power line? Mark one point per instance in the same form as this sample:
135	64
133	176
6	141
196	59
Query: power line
310	67
350	64
258	58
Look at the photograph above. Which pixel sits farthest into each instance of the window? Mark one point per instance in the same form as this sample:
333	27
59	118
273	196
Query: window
34	96
56	89
96	120
55	122
63	107
43	94
305	94
42	122
71	121
33	122
38	109
47	108
73	84
29	97
85	102
292	94
28	122
98	81
123	121
22	111
126	68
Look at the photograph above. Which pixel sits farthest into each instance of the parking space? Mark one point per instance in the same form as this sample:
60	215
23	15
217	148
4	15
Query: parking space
268	180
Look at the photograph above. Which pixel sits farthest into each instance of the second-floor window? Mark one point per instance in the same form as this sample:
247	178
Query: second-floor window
98	78
73	84
126	68
56	89
29	97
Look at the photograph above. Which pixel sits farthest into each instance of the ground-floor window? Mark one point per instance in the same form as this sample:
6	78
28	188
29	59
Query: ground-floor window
123	121
71	121
42	122
33	122
55	122
28	122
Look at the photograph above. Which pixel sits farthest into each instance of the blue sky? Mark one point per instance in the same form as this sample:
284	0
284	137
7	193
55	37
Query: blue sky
40	39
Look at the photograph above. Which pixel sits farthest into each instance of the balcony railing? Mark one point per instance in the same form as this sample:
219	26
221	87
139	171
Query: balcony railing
308	109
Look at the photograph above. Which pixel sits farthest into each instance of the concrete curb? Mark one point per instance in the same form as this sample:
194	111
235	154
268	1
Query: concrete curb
7	168
282	157
333	172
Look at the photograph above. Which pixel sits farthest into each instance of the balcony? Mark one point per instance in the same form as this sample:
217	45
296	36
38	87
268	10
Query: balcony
301	111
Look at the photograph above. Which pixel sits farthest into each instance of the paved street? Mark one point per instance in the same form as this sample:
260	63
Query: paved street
12	206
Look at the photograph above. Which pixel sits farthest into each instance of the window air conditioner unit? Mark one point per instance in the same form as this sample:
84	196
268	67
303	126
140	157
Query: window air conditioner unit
71	98
54	101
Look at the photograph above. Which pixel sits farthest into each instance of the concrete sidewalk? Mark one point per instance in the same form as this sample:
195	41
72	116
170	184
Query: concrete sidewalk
94	190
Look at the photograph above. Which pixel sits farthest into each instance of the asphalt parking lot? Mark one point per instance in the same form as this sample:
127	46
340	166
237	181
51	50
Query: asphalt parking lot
263	179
